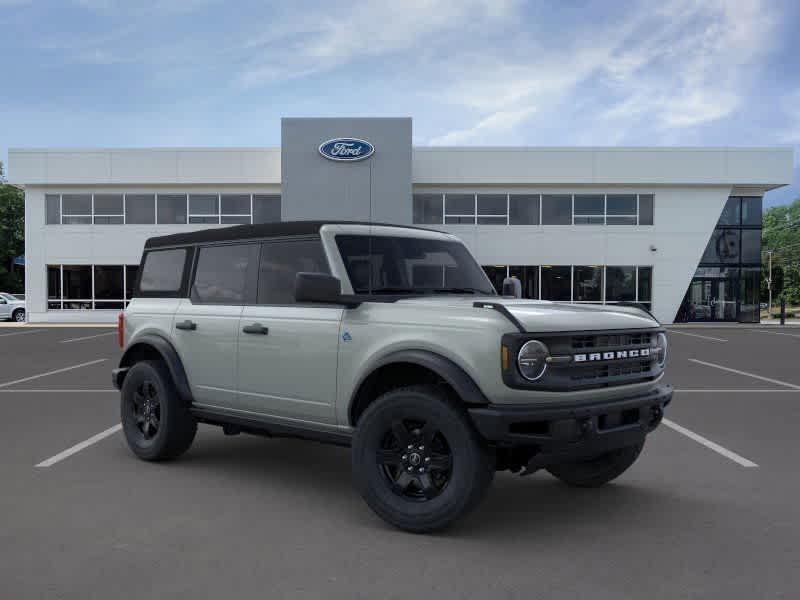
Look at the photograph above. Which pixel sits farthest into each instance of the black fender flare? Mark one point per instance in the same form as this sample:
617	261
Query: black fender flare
463	385
168	354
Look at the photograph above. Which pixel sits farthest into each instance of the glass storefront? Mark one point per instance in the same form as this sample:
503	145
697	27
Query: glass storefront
726	283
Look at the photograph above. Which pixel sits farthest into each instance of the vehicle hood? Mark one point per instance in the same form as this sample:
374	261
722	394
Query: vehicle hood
544	316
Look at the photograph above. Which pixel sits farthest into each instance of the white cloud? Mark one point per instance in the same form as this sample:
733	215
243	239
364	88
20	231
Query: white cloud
300	45
681	65
496	122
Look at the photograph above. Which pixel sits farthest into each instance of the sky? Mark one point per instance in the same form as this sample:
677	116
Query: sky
108	73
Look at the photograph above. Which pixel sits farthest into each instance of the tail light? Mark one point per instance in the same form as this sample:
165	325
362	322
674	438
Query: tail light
121	329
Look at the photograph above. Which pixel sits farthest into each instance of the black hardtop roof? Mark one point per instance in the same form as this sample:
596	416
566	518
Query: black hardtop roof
248	232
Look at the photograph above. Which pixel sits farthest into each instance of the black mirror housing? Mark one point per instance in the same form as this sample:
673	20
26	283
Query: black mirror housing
321	288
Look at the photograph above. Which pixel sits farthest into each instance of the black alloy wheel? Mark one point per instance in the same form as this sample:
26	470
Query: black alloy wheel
416	459
147	408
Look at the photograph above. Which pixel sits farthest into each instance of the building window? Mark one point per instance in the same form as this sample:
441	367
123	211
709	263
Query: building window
644	285
496	274
87	287
492	209
587	284
528	276
459	209
204	208
589	209
266	208
53	209
109	209
523	209
621	209
171	209
235	209
620	284
164	209
751	211
646	209
578	283
76	209
428	209
557	209
557	283
140	209
723	247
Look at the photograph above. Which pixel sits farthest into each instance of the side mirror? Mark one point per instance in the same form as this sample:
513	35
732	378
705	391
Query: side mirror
320	287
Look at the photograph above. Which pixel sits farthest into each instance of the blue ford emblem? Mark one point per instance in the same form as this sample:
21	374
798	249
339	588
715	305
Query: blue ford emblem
346	149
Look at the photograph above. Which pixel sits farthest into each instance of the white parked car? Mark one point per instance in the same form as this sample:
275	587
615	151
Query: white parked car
12	308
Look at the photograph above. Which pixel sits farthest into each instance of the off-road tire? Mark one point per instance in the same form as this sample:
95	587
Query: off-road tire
599	470
471	468
176	425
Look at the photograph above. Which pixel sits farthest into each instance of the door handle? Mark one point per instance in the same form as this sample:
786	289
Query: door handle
186	325
256	328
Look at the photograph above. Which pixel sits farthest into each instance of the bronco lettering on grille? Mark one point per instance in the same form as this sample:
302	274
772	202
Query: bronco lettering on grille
615	355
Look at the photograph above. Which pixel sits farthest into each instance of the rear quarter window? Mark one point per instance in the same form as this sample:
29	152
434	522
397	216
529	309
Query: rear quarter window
162	272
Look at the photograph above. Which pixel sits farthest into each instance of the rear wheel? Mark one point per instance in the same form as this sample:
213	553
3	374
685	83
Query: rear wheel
599	470
156	422
19	315
417	460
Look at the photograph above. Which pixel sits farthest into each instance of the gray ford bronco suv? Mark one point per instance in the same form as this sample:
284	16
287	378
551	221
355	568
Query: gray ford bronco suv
391	340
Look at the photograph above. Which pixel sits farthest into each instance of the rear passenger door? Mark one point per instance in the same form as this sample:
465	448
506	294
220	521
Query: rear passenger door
206	325
288	351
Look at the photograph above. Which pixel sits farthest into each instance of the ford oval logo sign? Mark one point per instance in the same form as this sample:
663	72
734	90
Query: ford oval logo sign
346	149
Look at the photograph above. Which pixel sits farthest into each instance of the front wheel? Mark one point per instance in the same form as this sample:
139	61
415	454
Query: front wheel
19	315
598	470
417	460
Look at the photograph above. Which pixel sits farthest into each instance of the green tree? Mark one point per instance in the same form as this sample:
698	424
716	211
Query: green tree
781	235
12	234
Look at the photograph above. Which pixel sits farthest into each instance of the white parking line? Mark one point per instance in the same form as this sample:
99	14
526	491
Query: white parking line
697	335
730	455
24	379
88	337
79	446
27	331
794	335
745	373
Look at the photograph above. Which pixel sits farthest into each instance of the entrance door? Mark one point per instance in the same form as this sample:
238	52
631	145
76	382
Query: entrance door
711	300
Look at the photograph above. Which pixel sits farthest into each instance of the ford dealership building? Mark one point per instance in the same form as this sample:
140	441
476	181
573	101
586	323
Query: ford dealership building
677	229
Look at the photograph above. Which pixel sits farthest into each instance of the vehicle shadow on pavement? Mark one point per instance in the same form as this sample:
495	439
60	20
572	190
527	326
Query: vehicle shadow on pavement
536	506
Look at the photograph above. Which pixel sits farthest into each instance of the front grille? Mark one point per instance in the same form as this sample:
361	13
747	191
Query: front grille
600	372
587	365
581	342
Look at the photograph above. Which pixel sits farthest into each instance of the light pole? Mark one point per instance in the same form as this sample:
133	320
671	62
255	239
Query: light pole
769	286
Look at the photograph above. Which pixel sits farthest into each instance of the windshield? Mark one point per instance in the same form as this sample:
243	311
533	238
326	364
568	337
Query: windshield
412	265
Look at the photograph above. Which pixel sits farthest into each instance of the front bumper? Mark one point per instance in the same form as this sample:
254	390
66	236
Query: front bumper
562	432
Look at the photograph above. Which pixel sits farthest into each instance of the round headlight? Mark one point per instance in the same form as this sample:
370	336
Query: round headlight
661	344
532	360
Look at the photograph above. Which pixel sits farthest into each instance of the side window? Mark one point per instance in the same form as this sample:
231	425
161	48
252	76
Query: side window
281	261
221	274
163	271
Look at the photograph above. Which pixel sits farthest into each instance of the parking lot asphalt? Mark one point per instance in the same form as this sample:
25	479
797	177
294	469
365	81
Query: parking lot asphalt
242	516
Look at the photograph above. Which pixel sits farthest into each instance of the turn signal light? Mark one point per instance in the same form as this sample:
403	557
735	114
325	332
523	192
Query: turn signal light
504	357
